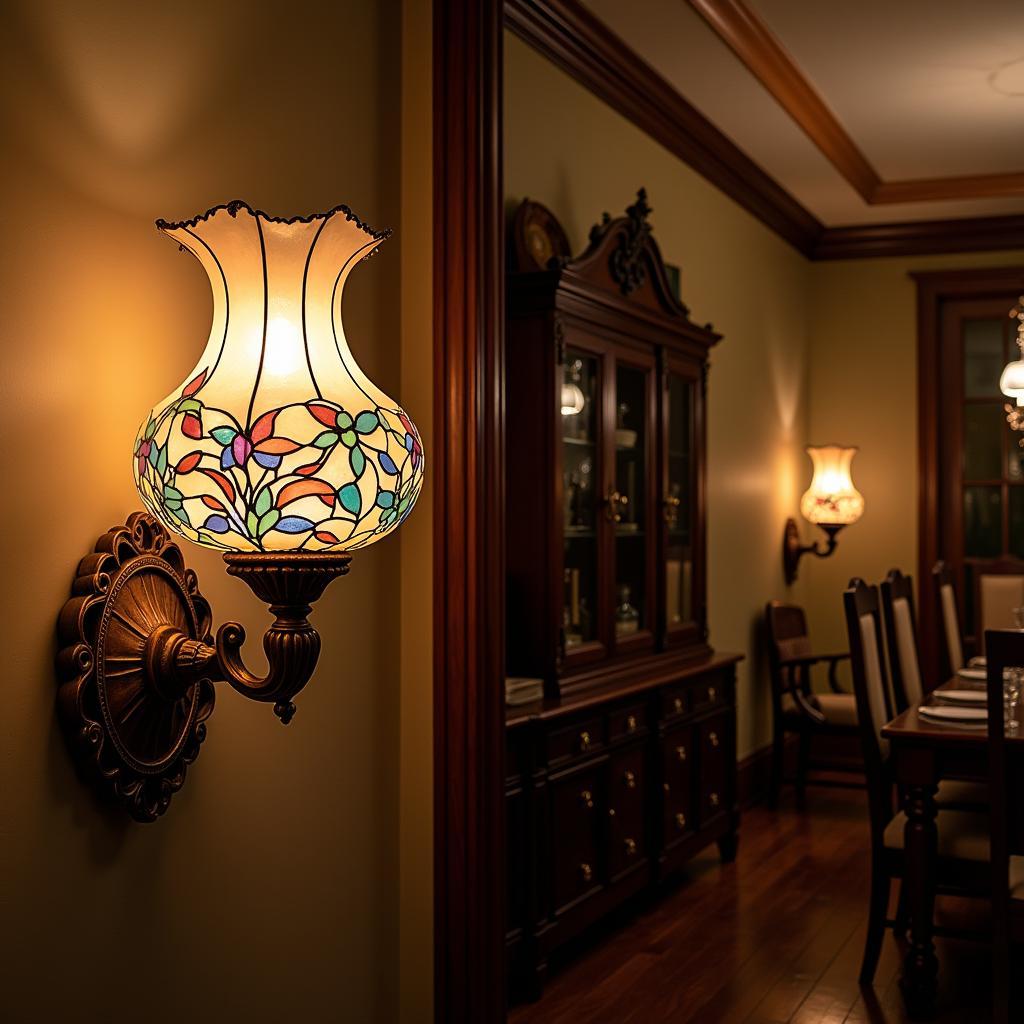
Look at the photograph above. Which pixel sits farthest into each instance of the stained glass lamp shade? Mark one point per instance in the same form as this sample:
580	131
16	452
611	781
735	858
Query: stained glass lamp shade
277	440
831	500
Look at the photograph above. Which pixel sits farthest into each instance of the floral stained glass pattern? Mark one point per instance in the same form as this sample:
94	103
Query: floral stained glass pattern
278	441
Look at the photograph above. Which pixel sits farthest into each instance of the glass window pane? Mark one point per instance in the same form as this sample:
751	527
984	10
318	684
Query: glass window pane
678	503
1016	539
983	357
1014	454
983	433
983	522
631	483
580	599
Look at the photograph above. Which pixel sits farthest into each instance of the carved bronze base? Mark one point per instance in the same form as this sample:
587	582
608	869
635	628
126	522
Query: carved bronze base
793	550
137	662
137	740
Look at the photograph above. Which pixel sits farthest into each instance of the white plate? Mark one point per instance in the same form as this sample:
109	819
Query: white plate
972	673
963	696
977	663
941	713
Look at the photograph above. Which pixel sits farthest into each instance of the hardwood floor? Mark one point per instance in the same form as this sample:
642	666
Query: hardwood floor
776	937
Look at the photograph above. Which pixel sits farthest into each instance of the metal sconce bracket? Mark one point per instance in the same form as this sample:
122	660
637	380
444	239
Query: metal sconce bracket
137	662
793	550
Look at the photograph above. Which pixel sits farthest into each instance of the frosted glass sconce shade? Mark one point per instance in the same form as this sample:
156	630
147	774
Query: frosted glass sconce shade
831	500
277	440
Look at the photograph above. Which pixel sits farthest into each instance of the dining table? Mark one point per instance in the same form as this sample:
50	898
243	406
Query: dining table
923	752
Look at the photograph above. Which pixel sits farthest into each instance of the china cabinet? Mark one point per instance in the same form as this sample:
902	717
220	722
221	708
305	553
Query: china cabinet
627	766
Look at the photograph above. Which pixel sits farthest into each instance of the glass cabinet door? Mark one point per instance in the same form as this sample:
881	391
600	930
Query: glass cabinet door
627	503
580	421
678	502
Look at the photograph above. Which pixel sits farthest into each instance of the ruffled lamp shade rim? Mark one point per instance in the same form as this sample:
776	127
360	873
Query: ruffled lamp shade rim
236	205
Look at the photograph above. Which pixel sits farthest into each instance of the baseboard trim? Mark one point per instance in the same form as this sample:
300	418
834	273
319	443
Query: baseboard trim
754	773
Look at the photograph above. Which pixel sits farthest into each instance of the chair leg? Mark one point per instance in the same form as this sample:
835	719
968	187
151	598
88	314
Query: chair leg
803	759
876	922
902	922
778	767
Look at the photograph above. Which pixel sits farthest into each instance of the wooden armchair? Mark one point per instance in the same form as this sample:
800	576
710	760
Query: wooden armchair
795	707
1005	649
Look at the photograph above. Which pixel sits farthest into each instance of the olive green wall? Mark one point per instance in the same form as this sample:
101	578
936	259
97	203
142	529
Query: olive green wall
566	149
863	391
270	892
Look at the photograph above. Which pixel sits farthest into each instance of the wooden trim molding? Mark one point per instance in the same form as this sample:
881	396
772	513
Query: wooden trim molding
933	289
918	238
468	467
764	56
573	39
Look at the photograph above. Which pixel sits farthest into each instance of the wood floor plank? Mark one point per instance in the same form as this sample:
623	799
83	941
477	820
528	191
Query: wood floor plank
775	938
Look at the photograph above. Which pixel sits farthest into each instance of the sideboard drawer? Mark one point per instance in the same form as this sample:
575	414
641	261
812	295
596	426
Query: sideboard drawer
626	722
705	694
576	802
674	701
677	758
576	740
713	747
626	787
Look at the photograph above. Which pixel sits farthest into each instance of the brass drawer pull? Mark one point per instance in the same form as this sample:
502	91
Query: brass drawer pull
630	847
584	740
665	786
681	753
611	812
681	820
677	704
586	872
631	723
714	739
712	693
630	779
714	799
588	799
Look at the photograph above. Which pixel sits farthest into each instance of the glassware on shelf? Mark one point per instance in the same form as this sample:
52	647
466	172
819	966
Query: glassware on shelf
571	611
1012	681
624	437
627	618
573	399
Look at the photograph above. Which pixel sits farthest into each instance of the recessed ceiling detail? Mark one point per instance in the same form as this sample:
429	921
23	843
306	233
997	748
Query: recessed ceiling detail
761	52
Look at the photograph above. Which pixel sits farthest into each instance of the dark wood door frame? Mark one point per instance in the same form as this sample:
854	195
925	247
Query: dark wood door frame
469	617
933	290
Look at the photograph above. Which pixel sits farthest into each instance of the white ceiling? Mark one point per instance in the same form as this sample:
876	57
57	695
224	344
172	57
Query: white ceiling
920	85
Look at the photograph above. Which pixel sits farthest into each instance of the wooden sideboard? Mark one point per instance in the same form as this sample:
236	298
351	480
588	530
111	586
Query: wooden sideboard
609	791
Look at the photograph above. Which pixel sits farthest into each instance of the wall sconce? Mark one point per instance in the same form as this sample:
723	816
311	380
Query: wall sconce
277	450
831	502
1011	381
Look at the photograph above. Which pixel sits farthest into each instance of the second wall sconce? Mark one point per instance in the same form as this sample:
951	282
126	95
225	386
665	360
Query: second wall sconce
831	502
278	451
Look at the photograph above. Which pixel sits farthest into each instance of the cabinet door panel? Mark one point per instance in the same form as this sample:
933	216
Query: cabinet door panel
575	802
626	831
677	756
713	749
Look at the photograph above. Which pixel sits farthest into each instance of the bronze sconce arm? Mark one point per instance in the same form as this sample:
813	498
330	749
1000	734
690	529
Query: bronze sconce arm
137	662
793	550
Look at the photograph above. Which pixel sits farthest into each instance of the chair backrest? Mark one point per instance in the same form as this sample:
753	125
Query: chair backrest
1000	589
786	629
870	686
897	593
951	653
1003	649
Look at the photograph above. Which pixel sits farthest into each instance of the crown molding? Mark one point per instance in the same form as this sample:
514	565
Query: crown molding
573	39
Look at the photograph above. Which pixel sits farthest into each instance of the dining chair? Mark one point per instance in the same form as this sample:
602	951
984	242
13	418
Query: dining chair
963	851
908	690
1005	649
795	707
999	588
951	653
